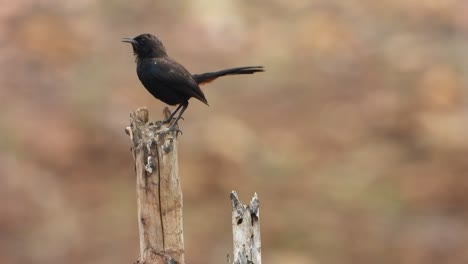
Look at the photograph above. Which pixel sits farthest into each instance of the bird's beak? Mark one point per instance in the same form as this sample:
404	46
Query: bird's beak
129	40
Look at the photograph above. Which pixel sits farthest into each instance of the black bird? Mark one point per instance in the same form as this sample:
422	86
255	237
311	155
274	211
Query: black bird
169	81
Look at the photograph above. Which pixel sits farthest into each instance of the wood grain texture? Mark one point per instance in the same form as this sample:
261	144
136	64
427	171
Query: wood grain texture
159	195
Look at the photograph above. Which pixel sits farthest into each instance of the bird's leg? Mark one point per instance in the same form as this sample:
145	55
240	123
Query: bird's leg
169	118
172	127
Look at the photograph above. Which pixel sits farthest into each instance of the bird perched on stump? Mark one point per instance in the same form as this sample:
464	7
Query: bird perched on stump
169	81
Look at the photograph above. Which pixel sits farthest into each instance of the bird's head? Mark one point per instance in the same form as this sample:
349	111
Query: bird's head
146	46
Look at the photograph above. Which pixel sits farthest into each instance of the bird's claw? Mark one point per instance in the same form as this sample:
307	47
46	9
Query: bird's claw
171	129
175	129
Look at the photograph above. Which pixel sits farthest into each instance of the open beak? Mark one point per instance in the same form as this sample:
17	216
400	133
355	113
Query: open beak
129	40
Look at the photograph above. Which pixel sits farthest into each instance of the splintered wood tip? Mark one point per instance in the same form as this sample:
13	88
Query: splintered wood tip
141	114
166	112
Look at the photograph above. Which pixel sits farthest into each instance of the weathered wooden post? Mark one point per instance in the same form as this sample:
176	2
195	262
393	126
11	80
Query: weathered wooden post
246	231
159	195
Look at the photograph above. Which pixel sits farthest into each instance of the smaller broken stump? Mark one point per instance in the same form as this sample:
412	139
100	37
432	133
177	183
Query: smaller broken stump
246	231
159	195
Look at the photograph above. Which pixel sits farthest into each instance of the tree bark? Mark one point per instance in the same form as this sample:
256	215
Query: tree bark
246	231
159	195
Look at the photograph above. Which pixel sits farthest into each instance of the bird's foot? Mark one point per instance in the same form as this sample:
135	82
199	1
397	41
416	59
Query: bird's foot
175	128
172	128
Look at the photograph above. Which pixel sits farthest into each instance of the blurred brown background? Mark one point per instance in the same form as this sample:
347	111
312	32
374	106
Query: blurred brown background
355	138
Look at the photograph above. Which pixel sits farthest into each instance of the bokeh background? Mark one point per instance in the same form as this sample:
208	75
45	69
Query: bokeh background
355	138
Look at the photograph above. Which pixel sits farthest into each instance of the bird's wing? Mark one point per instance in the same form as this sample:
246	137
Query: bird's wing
174	76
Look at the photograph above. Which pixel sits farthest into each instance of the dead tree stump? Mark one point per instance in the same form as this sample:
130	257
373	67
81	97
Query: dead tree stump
246	231
159	195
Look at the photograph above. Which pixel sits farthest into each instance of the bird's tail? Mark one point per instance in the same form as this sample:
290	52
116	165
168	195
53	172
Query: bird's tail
210	76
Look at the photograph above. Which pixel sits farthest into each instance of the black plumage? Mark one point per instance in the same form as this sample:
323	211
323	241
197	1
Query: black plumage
168	80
